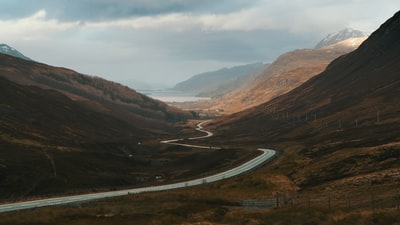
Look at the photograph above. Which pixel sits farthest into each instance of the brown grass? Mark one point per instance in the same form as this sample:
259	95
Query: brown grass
219	202
192	206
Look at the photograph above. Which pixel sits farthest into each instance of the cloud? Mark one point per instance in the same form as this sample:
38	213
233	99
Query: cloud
247	19
103	10
187	15
261	15
36	26
119	39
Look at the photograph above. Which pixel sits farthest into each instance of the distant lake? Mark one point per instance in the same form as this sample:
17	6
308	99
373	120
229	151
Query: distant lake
172	96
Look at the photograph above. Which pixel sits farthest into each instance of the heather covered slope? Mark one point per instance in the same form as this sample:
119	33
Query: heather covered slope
286	73
342	125
47	116
49	143
368	76
92	92
64	132
339	137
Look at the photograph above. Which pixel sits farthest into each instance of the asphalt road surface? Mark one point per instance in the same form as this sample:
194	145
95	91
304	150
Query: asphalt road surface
266	155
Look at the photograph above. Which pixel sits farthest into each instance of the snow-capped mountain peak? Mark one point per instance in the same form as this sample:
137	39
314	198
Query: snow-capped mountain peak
5	49
339	36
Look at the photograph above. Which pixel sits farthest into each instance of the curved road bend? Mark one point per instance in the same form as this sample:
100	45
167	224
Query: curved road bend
248	166
199	128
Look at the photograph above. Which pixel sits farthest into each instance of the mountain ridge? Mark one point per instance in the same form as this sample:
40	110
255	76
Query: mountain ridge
217	82
8	50
342	123
94	92
65	132
288	71
383	42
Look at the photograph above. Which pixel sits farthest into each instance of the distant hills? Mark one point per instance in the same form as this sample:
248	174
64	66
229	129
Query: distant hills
5	49
339	36
216	83
93	92
288	71
341	128
351	80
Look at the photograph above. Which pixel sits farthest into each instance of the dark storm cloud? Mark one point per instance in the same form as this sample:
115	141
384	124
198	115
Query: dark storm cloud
99	10
17	9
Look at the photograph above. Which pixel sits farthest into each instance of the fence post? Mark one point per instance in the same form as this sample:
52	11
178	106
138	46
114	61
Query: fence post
284	197
377	117
372	201
291	200
348	201
277	199
329	202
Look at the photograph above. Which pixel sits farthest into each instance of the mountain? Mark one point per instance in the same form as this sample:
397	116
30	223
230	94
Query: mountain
92	92
340	129
64	132
288	71
52	144
216	83
5	49
339	36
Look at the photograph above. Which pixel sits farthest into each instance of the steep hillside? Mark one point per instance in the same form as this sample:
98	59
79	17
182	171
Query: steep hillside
219	82
47	117
64	132
92	92
341	128
50	144
284	74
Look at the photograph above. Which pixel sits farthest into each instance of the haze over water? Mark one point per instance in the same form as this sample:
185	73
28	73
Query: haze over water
172	96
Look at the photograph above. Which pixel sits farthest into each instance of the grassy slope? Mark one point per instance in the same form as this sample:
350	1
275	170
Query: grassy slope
353	169
217	203
51	145
93	93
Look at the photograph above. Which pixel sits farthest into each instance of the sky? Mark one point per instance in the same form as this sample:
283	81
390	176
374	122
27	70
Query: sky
162	42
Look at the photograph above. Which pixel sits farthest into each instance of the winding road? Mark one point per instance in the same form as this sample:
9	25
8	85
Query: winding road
246	167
